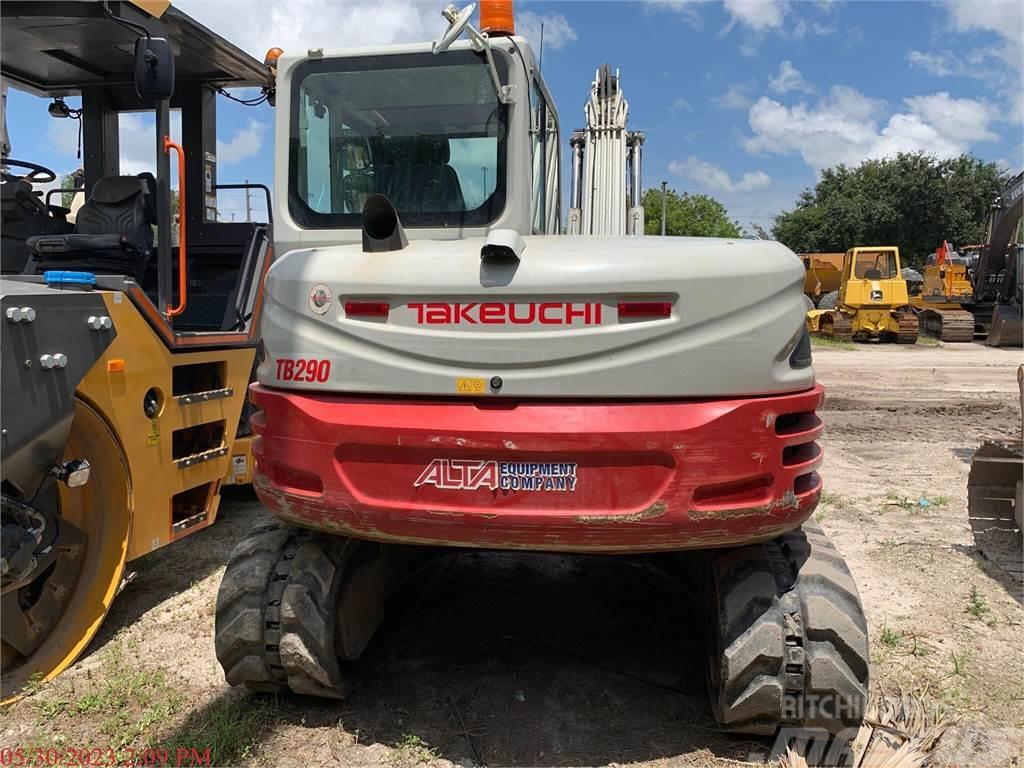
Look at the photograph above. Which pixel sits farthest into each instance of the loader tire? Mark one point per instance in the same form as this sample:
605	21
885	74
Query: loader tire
829	300
277	612
787	638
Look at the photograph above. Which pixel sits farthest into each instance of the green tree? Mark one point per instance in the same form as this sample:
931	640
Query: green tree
686	214
913	200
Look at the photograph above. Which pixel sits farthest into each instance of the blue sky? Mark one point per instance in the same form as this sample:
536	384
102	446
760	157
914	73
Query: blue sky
745	100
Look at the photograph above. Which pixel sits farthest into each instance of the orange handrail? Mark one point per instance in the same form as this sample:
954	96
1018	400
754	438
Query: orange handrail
182	255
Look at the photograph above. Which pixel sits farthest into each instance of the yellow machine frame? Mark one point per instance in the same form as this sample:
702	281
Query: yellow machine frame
177	459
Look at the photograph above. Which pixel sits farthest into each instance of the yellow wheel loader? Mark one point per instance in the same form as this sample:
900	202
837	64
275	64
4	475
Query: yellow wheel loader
871	303
945	289
126	355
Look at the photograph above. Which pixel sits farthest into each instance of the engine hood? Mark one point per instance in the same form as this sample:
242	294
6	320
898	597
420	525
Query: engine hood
605	317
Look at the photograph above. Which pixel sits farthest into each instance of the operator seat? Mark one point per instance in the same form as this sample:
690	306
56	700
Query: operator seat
113	231
414	175
22	215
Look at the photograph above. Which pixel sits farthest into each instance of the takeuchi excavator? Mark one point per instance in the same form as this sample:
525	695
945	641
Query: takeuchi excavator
441	368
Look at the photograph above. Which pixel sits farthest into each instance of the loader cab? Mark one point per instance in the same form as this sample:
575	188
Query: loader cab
461	142
157	234
871	277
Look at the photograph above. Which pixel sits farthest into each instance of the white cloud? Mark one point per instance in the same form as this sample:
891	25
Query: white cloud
558	33
689	10
63	135
789	79
758	14
681	104
1000	65
137	139
948	63
964	121
1016	98
736	96
717	179
298	25
843	127
246	143
1004	17
803	28
748	48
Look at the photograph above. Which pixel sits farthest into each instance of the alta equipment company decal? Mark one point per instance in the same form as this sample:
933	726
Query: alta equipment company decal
468	475
320	298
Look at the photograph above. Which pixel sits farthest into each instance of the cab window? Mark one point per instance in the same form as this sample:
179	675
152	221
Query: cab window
874	265
428	132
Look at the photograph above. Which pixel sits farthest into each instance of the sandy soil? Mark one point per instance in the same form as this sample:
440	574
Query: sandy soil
546	660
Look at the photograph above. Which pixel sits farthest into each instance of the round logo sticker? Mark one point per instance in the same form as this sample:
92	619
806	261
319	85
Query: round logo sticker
320	298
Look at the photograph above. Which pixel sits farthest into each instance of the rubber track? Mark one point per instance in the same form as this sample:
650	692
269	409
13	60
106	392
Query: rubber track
275	617
792	635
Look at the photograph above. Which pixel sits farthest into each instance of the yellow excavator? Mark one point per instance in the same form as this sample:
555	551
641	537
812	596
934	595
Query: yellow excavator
871	302
128	342
945	290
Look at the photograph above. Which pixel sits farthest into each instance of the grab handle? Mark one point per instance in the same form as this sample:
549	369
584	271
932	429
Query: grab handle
182	254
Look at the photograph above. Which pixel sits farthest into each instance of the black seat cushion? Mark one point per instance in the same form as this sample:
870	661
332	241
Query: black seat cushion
47	244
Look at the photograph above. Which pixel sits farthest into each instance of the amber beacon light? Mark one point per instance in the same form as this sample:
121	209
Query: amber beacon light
497	17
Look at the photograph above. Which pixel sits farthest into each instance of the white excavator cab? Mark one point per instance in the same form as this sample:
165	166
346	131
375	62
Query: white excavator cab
461	136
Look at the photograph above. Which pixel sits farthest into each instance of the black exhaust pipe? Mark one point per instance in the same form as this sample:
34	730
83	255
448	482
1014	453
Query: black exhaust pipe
382	231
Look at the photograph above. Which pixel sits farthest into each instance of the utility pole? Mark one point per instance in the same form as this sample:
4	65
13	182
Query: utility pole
248	209
663	185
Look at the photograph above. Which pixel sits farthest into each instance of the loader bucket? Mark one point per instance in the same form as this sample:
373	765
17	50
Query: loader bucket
995	506
1007	328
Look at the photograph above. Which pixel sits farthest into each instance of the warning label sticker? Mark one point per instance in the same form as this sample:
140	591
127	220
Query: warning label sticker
470	386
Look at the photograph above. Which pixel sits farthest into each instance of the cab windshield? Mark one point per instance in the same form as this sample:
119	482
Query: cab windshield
874	265
428	132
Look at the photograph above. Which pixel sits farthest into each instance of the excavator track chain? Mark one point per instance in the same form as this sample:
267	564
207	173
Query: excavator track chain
838	326
906	327
950	325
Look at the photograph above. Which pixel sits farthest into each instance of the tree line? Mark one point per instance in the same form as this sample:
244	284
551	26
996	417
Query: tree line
913	200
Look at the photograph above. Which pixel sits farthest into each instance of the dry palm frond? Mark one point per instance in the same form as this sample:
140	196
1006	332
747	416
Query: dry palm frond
792	759
899	731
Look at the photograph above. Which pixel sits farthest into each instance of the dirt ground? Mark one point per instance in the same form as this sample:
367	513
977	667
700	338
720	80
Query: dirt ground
512	659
